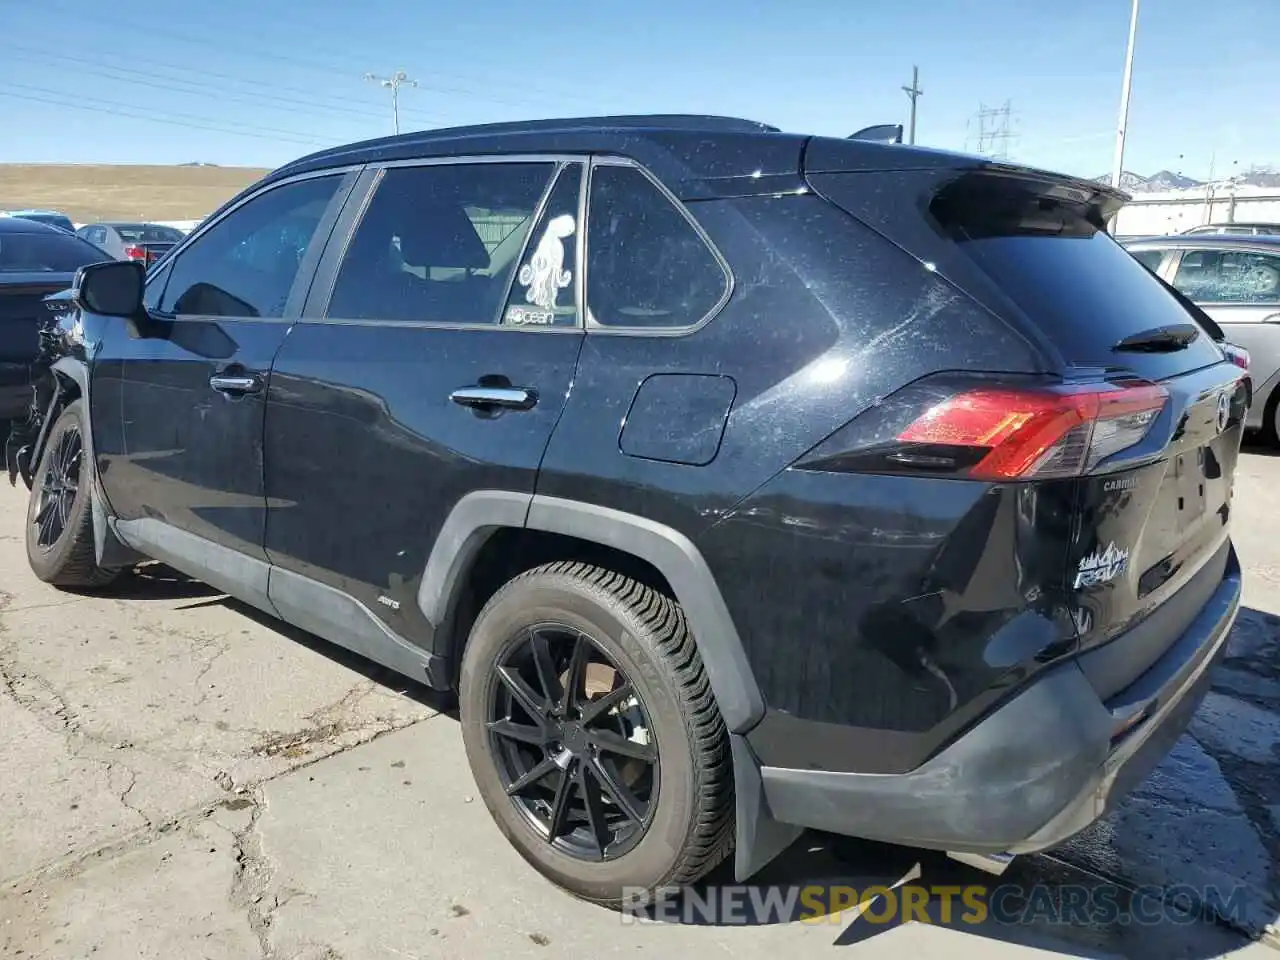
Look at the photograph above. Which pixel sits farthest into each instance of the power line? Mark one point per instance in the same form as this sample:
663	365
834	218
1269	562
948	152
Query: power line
165	117
394	83
193	88
116	111
913	94
329	68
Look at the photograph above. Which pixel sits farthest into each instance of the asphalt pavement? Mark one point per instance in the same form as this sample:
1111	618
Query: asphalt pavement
182	777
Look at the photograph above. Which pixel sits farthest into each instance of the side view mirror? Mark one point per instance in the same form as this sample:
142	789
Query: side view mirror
111	289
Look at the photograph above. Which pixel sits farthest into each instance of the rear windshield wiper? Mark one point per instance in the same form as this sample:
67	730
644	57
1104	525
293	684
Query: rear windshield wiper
1160	339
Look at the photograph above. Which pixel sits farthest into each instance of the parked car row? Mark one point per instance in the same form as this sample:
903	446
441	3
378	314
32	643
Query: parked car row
1236	281
144	242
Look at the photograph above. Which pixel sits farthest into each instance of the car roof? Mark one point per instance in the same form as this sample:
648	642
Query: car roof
1236	223
35	213
16	224
1208	241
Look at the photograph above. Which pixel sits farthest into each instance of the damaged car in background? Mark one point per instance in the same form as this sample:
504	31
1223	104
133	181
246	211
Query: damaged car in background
36	260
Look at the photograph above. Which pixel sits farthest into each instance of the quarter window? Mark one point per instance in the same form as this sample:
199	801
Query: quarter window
245	265
439	243
1228	276
647	265
1149	258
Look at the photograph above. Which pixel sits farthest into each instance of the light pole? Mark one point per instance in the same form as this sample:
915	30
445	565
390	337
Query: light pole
1118	167
393	83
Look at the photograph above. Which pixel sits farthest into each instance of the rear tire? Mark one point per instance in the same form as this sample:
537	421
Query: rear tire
638	640
60	546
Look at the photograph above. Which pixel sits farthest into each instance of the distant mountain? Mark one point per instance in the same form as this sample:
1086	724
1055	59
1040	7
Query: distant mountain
197	163
1164	180
1168	180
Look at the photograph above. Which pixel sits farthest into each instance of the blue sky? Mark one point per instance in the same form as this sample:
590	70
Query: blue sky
256	82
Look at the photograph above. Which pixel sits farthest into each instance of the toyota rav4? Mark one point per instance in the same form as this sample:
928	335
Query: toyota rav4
737	481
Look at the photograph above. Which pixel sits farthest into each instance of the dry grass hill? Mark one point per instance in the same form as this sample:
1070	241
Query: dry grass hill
89	192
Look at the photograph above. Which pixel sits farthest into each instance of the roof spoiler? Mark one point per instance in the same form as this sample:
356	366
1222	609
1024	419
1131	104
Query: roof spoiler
880	133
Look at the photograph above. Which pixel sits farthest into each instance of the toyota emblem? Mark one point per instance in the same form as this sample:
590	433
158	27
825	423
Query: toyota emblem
1224	410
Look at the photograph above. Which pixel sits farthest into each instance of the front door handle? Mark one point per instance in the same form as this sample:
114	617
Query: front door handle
489	398
235	385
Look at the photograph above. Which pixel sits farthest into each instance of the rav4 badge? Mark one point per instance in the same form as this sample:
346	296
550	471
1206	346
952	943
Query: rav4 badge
1101	566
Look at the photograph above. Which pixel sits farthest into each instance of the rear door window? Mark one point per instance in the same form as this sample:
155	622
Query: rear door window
545	291
648	266
1229	276
439	243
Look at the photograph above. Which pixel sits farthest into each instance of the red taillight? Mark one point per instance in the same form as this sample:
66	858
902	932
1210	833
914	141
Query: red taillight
133	252
1041	433
1237	355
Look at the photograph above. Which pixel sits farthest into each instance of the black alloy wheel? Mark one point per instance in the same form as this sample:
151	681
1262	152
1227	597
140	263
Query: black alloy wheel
573	743
59	487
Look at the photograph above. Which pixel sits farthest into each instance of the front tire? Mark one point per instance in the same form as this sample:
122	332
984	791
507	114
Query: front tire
59	519
593	735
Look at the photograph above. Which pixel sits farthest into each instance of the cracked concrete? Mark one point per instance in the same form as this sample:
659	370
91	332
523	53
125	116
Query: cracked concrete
181	777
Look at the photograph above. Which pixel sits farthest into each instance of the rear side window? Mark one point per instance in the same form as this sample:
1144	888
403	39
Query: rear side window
439	243
647	265
1050	255
1149	258
245	265
45	252
1229	276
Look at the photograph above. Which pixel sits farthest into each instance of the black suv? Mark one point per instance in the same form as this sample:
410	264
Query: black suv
738	481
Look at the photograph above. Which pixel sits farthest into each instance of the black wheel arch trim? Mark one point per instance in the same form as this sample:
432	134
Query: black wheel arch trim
109	551
480	513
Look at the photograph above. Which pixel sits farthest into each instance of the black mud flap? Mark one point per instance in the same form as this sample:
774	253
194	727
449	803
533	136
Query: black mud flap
17	451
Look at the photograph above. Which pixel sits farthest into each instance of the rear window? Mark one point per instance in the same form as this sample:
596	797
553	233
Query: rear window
45	253
1047	249
148	233
51	219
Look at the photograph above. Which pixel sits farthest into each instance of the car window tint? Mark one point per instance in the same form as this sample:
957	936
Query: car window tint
439	243
545	288
46	252
245	264
647	266
1226	276
1149	258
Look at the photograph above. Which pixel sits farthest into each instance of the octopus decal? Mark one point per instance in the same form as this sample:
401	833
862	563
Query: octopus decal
544	276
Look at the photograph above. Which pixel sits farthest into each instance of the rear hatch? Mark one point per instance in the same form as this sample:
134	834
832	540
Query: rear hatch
1149	531
22	314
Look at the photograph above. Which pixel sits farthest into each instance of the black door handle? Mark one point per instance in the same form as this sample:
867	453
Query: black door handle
236	384
490	398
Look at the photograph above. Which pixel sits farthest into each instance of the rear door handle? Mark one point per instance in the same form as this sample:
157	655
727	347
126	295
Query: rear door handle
488	398
236	385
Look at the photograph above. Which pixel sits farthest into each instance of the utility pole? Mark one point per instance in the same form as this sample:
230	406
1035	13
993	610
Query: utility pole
913	92
994	130
1117	169
393	83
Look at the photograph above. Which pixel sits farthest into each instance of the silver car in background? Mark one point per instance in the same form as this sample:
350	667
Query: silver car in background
1236	281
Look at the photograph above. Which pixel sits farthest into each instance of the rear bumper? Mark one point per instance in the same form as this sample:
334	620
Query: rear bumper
1035	772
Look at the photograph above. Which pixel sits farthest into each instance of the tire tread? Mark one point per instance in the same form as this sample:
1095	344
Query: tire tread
711	836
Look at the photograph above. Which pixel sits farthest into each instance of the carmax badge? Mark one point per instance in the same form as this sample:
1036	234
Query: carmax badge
1101	566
